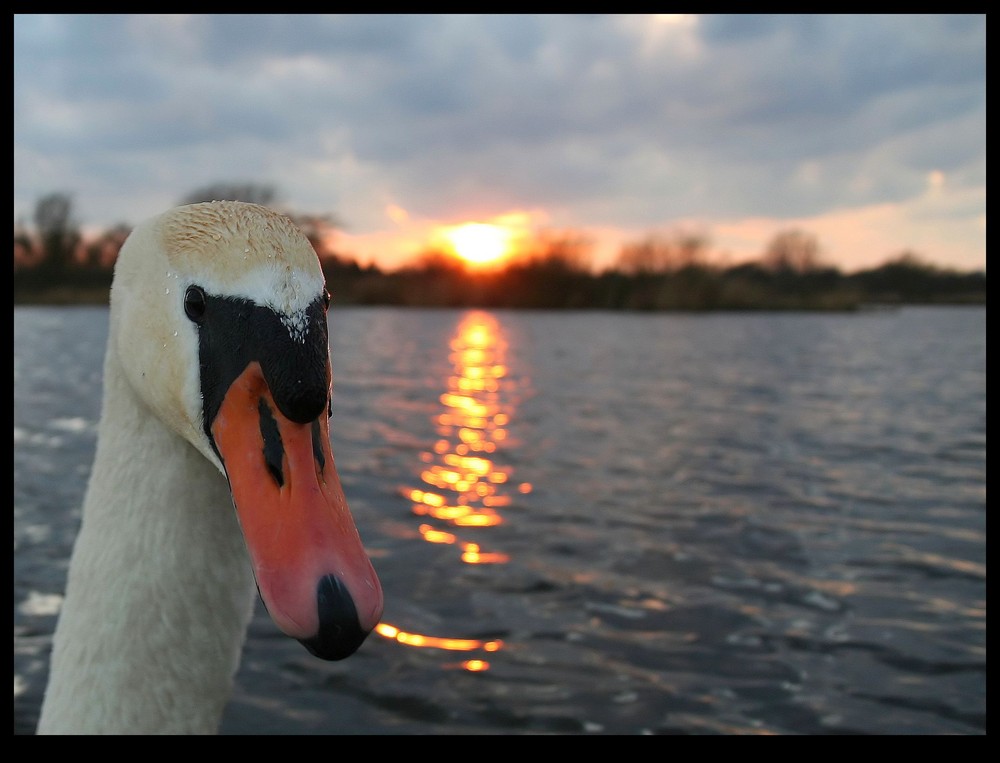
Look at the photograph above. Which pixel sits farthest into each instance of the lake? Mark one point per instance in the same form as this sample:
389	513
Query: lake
601	523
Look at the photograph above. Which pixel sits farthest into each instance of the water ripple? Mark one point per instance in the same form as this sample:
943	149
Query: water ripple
731	524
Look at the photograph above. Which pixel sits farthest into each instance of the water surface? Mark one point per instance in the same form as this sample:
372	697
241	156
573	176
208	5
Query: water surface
601	523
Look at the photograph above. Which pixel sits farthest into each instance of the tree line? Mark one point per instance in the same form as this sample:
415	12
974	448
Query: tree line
53	263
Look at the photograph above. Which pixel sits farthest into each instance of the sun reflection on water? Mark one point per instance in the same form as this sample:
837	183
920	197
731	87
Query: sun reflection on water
465	487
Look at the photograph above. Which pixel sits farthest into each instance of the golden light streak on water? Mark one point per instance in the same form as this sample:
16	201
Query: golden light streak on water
436	536
472	555
464	484
479	519
462	469
476	666
452	644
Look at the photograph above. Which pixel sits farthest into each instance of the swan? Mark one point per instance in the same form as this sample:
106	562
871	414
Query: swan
216	395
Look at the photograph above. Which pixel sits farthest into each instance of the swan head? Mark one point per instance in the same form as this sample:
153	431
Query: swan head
218	323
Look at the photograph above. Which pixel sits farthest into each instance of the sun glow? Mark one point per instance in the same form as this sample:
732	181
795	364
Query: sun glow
479	243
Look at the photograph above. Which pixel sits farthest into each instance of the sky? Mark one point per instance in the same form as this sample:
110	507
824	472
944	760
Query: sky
865	131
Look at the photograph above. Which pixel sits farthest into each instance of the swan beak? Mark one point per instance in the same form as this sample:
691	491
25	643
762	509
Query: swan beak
313	573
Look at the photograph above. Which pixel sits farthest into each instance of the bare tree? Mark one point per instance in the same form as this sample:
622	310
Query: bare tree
320	230
654	254
57	232
663	254
102	252
25	246
792	250
565	250
433	259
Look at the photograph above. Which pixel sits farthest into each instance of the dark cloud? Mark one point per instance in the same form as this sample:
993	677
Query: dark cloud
738	115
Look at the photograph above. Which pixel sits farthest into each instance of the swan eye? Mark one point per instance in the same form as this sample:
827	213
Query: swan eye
194	303
326	298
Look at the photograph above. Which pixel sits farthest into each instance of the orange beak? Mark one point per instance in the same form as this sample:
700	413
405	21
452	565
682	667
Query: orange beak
312	570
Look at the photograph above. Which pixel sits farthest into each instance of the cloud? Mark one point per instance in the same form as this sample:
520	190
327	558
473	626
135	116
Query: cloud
606	121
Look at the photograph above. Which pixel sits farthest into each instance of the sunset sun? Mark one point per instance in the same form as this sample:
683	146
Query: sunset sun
479	243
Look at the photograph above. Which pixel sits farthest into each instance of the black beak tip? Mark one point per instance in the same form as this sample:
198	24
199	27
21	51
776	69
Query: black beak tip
340	635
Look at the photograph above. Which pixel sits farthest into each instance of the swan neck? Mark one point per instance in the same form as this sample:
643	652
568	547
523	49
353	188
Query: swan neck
159	590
